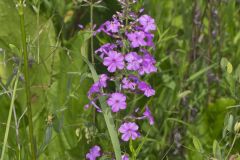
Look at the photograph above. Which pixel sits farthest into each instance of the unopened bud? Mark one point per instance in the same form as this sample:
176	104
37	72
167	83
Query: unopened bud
237	127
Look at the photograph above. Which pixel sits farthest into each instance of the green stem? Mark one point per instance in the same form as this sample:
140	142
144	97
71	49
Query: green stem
234	140
9	116
134	156
92	53
26	76
91	21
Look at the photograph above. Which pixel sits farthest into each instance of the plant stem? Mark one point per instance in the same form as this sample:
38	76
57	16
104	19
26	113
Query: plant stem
26	76
92	53
9	116
234	140
209	56
91	21
134	156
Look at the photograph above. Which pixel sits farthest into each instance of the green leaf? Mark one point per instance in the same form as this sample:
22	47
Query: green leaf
107	116
230	123
217	150
237	73
14	49
229	68
57	123
197	144
184	94
199	73
226	65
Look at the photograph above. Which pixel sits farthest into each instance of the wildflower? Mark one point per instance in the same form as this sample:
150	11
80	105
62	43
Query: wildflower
94	152
125	157
137	39
129	130
94	89
105	49
80	26
117	101
114	61
134	61
96	106
112	26
148	65
147	114
147	22
128	84
147	89
149	39
103	80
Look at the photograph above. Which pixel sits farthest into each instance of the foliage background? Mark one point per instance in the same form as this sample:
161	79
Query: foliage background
197	100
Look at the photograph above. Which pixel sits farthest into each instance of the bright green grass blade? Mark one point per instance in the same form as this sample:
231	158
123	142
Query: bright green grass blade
107	116
199	73
9	116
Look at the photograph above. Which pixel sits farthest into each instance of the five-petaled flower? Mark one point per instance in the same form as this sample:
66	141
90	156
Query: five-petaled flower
94	152
114	61
117	101
134	60
137	39
147	89
129	130
113	26
147	22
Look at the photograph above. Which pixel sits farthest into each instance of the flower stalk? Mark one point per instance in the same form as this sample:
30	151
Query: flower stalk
127	59
21	6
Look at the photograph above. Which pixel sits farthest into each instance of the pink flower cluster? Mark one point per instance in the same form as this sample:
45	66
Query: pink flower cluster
127	60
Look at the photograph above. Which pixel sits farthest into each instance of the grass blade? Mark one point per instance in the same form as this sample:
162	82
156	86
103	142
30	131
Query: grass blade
199	73
107	116
9	116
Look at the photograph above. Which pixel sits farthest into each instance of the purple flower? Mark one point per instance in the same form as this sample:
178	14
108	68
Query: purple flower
94	152
147	22
149	38
94	89
113	26
105	49
147	114
117	101
125	157
128	84
147	89
80	26
134	61
114	61
137	39
129	130
103	80
148	65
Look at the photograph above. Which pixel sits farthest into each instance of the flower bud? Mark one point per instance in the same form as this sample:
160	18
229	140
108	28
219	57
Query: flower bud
237	127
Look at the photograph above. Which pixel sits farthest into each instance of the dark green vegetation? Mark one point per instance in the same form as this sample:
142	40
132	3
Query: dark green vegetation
198	84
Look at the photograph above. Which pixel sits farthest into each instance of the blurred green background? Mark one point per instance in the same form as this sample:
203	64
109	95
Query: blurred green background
197	85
